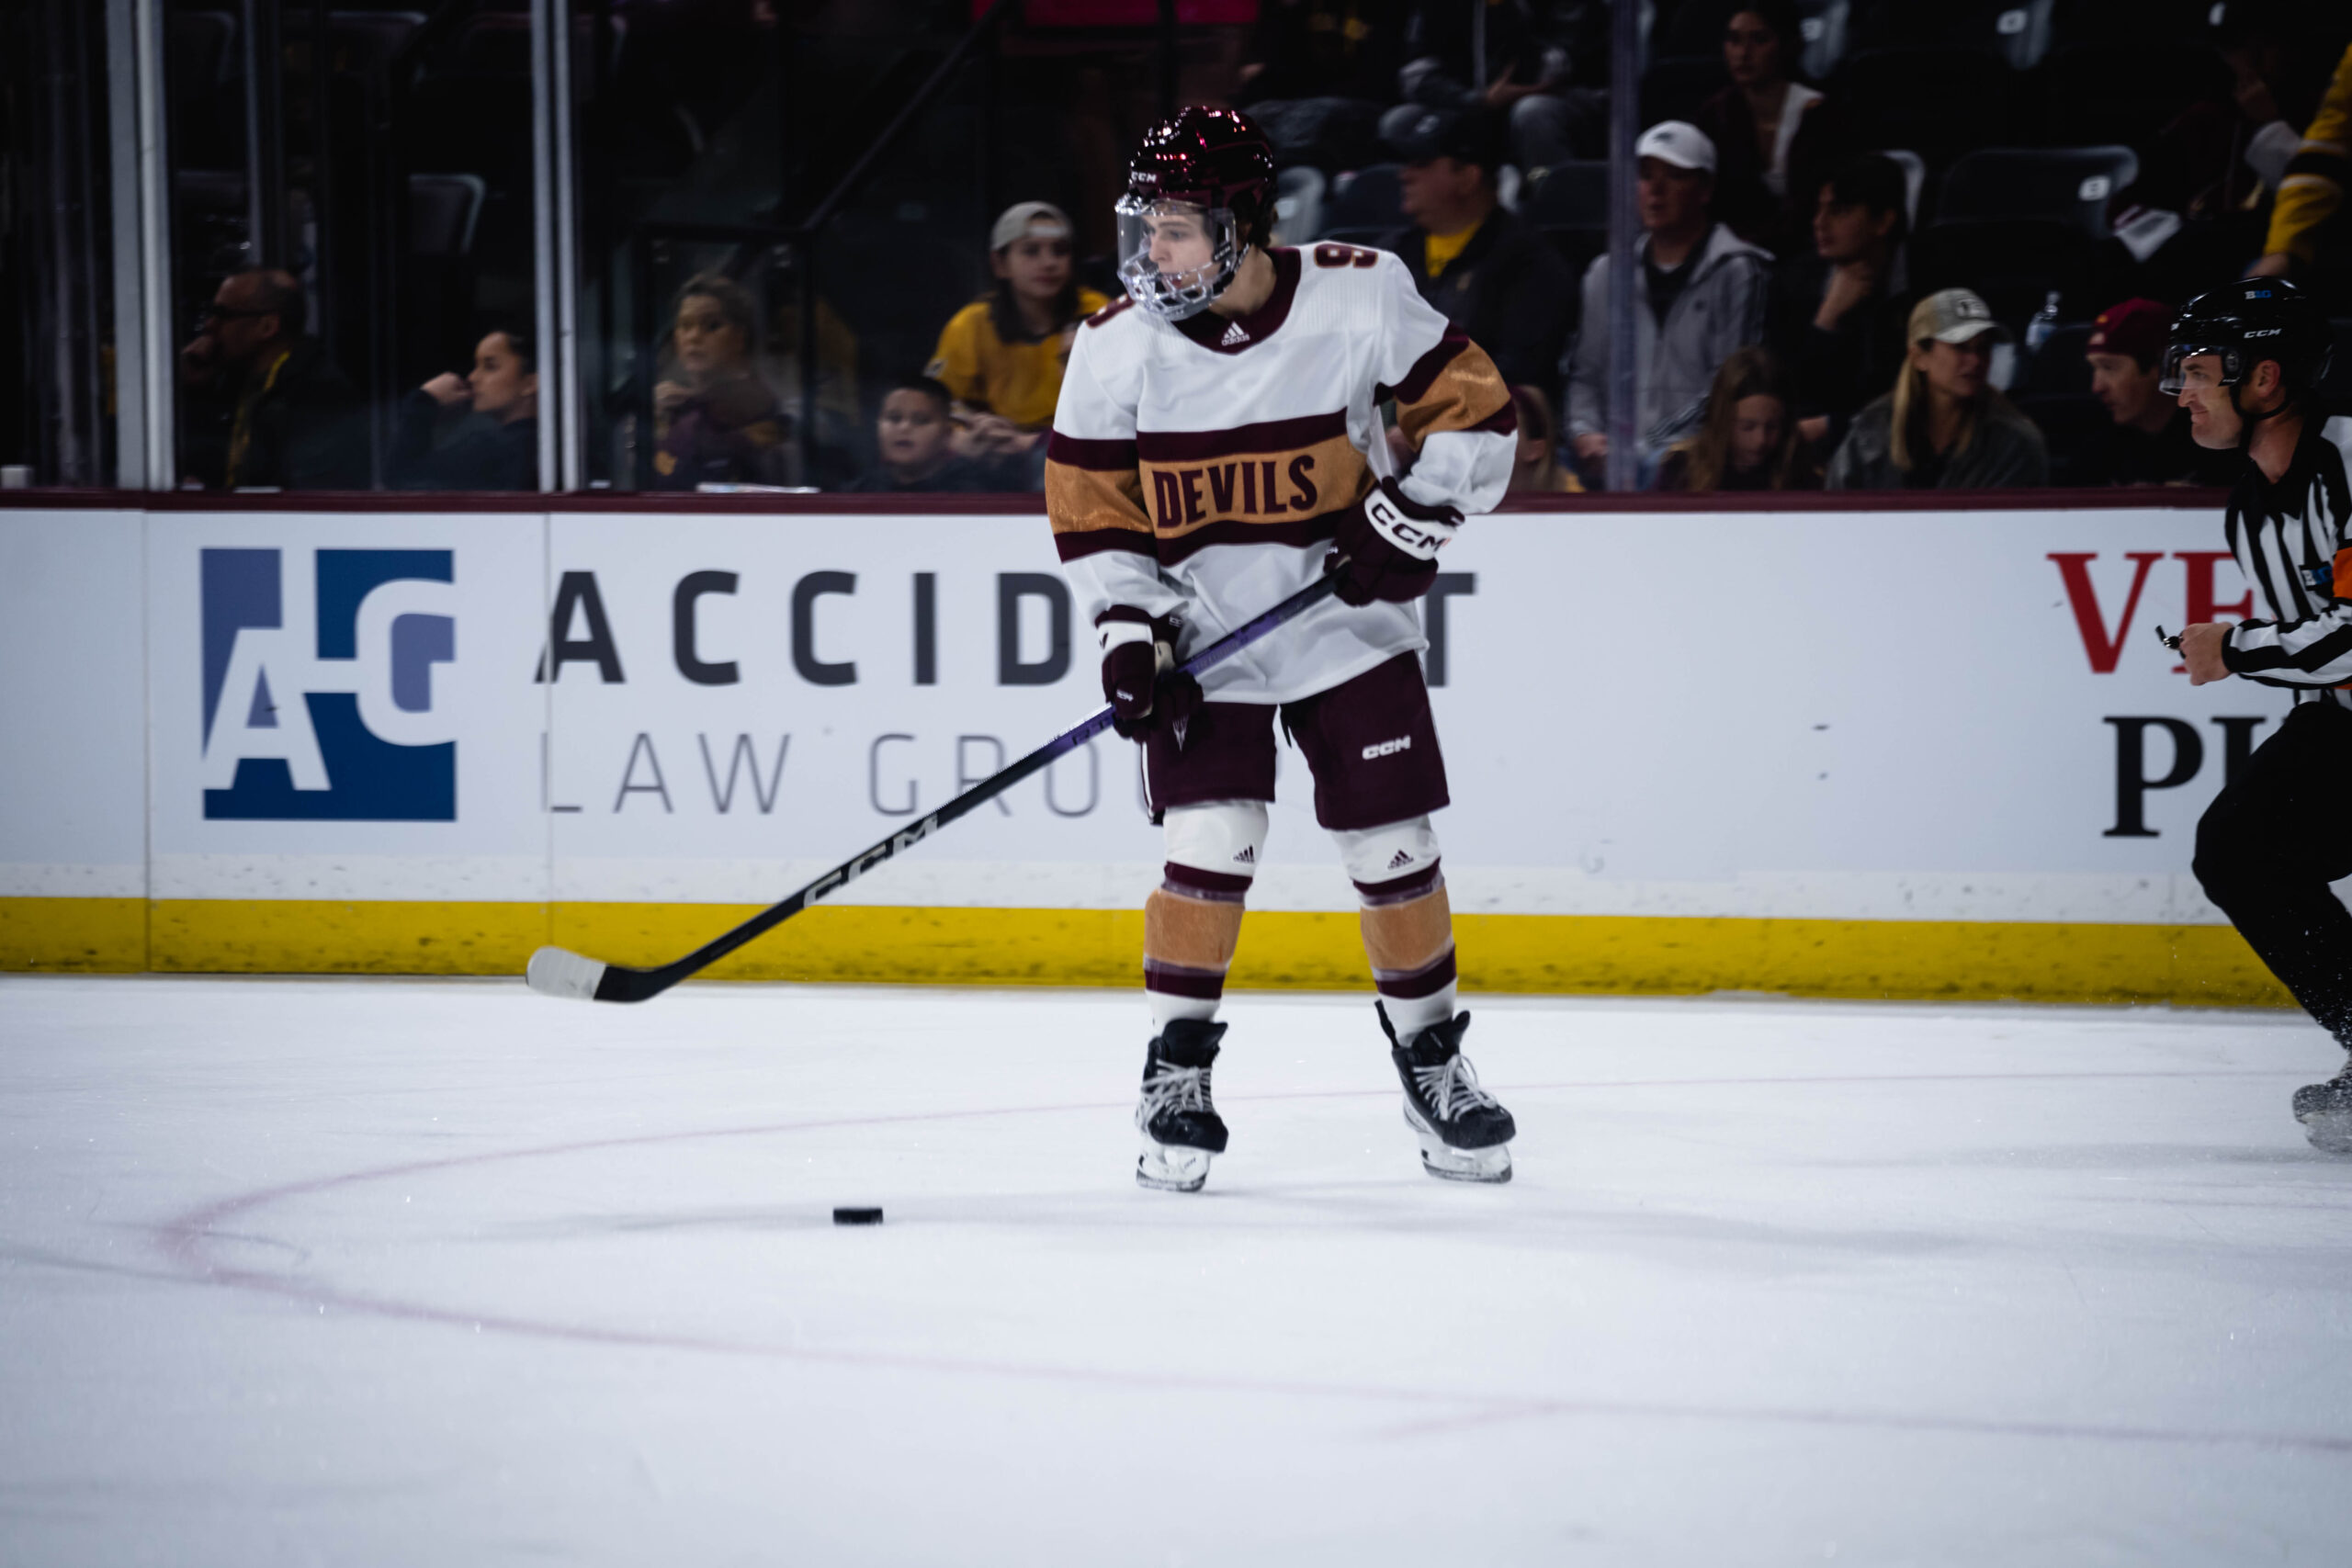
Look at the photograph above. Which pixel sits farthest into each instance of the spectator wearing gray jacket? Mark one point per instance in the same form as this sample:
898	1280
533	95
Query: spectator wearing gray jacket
1945	425
1700	295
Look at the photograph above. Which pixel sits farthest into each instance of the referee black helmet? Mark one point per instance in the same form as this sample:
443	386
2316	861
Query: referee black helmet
2246	322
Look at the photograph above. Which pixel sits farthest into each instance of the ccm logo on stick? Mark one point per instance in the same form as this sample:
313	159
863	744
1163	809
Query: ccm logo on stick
1388	748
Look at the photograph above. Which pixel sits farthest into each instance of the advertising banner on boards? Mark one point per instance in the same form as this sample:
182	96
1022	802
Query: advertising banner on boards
1924	716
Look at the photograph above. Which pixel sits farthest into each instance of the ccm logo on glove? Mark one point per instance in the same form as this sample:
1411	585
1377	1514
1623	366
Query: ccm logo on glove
1420	541
1386	547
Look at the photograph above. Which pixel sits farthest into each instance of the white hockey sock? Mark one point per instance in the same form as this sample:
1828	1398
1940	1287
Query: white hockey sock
1409	1017
1166	1008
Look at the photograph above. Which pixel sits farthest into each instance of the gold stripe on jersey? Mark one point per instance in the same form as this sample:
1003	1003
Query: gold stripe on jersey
1466	393
1091	501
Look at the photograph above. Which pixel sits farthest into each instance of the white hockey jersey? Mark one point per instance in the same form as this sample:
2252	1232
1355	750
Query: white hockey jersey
1198	469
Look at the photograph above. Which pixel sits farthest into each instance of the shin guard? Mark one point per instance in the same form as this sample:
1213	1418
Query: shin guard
1189	934
1408	937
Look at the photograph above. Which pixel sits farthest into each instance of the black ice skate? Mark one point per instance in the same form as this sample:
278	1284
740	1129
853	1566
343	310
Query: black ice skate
2325	1112
1466	1135
1179	1121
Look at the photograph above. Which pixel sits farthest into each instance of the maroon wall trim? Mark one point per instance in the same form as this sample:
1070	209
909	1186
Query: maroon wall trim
684	503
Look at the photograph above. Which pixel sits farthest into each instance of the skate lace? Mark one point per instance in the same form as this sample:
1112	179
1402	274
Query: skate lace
1176	1088
1451	1088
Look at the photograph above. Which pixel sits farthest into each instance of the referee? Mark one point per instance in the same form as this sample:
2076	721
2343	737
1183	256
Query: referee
2245	361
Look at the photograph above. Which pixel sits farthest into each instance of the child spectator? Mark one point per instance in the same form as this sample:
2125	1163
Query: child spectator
2149	443
1774	137
495	414
1538	467
1001	356
1945	426
1837	316
714	420
1701	293
915	434
1749	440
1484	269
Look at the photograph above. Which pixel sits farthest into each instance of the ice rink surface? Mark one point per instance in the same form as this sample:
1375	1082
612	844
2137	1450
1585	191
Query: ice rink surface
359	1272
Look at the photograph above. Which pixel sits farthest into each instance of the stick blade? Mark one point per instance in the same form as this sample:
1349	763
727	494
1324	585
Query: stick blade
559	972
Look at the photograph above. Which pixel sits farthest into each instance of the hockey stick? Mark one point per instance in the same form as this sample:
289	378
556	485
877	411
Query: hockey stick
558	972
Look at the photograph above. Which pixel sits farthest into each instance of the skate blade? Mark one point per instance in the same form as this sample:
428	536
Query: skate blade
1171	1168
1489	1164
2330	1132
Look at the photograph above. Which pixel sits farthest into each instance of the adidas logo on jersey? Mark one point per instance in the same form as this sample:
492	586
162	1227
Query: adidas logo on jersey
1233	335
1249	855
1388	748
1404	858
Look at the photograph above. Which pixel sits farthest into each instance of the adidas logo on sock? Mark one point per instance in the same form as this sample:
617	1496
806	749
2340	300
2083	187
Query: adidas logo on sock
1233	335
1249	855
1404	858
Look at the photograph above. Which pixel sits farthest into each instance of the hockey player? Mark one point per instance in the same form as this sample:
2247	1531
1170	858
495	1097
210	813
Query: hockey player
1217	444
2245	361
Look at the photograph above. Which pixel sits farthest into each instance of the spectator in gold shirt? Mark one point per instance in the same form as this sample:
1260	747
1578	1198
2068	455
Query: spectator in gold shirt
1002	355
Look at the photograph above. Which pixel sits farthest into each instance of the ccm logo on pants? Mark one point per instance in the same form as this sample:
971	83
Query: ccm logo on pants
1388	748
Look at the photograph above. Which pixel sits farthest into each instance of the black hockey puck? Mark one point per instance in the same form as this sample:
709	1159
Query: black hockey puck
857	1216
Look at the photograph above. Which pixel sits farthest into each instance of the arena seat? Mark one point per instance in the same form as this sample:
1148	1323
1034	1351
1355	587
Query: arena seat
1568	195
2067	187
2060	369
1939	102
2076	426
2019	32
2015	223
1367	198
2125	91
2101	22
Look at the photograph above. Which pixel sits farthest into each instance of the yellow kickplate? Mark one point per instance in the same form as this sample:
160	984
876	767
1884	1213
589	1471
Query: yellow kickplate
1931	960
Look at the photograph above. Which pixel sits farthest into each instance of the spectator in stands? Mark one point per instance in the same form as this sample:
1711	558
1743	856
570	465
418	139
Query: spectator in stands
716	422
267	408
1945	426
915	434
1002	355
487	423
1701	295
1749	440
2149	443
1837	320
1538	468
2310	219
1490	274
1775	138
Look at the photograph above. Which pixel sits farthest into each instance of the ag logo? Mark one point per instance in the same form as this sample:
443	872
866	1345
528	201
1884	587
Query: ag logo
319	691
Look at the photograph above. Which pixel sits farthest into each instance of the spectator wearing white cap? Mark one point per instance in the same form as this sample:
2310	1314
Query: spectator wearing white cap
1001	356
1945	425
1700	295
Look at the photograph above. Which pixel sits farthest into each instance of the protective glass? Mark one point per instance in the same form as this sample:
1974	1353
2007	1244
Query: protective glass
2177	355
1175	257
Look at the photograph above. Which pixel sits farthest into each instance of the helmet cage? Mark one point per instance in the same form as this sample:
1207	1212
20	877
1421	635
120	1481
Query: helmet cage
1174	296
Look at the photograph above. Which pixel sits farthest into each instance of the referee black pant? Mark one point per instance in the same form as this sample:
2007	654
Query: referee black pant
2270	845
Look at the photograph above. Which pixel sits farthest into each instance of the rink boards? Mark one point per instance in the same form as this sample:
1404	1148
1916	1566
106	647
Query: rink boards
1836	753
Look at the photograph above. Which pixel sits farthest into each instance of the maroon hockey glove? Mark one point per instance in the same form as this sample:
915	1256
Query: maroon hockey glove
1140	700
1386	546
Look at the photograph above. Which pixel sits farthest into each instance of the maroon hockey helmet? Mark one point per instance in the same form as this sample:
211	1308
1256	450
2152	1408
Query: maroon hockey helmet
1211	158
1212	166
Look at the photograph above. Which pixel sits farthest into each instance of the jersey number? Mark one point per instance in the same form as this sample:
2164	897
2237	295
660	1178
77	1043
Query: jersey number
1345	255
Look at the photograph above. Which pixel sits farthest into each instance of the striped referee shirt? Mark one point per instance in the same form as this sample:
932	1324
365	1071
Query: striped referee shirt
2293	542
